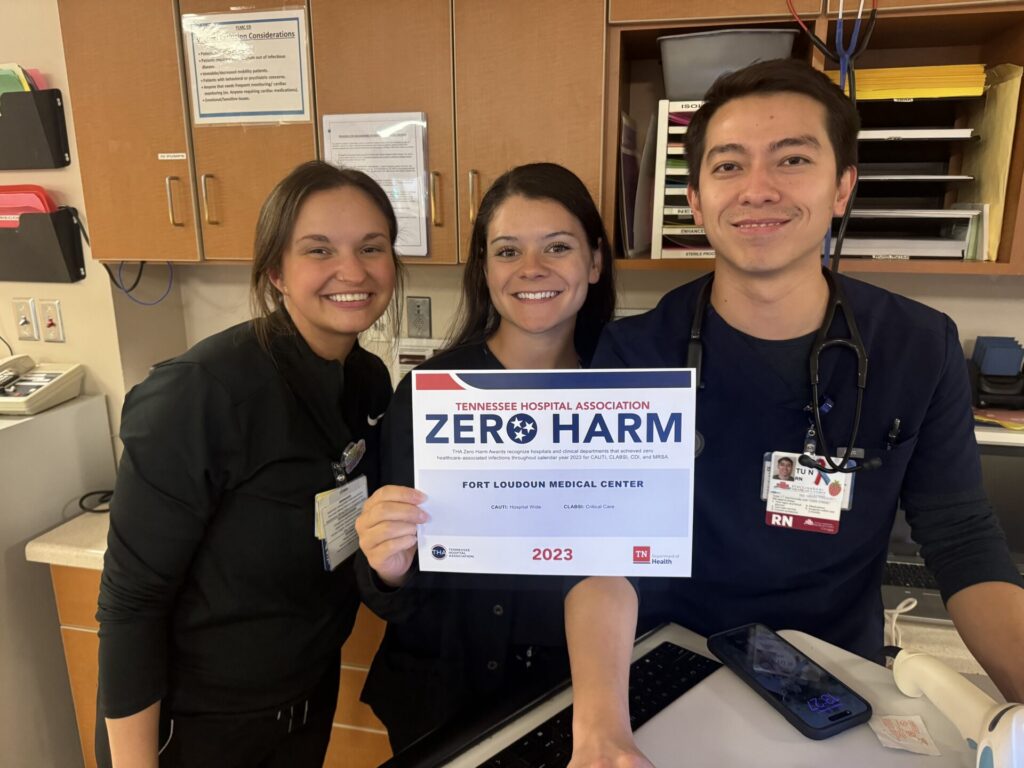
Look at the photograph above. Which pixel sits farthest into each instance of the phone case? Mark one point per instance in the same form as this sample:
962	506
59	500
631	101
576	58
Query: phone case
718	644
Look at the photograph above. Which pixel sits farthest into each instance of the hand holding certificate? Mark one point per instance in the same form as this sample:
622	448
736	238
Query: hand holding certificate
555	472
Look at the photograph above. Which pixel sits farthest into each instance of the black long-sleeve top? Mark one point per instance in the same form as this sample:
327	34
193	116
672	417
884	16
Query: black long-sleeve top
214	598
454	641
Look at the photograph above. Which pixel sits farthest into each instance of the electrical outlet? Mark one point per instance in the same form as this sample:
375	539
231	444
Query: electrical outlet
25	319
418	316
51	321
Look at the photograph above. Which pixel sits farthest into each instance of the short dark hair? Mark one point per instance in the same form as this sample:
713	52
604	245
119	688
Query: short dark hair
778	76
276	223
784	459
477	317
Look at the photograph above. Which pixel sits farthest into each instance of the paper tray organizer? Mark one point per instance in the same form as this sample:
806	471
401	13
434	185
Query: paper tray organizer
43	248
33	133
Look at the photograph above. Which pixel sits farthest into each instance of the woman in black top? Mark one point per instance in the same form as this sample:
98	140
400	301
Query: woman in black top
220	621
537	290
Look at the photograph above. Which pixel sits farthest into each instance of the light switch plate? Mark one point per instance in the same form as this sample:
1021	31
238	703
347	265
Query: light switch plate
418	316
25	319
50	320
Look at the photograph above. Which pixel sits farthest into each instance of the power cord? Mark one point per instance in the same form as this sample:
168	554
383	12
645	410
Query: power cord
893	636
101	504
8	345
845	57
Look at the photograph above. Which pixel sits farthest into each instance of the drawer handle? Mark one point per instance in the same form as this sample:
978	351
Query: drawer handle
435	203
473	192
204	183
170	201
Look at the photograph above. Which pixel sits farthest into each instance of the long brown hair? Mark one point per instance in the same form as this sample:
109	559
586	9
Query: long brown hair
274	231
477	318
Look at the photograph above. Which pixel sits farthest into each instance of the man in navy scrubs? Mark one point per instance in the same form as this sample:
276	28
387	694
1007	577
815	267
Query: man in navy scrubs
772	159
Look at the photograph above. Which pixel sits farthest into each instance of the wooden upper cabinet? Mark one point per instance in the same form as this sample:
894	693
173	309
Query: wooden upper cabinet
237	164
529	87
627	11
394	56
126	100
922	5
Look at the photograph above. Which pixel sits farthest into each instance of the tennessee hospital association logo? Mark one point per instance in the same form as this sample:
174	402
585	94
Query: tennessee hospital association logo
521	428
438	552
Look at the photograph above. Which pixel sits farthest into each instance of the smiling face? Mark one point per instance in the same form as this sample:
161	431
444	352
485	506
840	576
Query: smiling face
768	184
784	469
538	269
338	271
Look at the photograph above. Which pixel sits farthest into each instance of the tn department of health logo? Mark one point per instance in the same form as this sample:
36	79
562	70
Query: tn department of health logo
438	552
521	428
641	554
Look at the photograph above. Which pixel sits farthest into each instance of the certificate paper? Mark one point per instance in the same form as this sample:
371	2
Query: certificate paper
570	472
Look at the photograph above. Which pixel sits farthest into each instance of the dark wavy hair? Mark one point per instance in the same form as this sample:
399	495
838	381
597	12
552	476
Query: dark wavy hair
477	319
778	76
274	229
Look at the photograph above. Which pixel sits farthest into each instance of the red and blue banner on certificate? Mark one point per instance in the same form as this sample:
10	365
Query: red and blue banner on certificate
571	472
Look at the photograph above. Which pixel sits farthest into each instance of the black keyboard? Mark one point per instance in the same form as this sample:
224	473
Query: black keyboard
909	575
655	681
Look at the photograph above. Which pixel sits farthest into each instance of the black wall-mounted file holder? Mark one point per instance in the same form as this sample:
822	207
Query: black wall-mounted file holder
45	248
33	133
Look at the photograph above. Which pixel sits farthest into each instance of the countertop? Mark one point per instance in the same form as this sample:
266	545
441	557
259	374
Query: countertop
81	542
78	543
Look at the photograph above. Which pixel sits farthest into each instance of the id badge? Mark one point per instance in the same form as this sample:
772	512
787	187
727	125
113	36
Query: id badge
802	498
335	513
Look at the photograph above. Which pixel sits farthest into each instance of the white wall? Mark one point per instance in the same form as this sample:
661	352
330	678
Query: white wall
215	297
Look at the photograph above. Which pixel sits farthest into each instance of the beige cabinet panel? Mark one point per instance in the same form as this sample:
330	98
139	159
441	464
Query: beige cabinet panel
621	11
81	650
394	56
77	591
529	87
126	98
236	165
353	748
926	5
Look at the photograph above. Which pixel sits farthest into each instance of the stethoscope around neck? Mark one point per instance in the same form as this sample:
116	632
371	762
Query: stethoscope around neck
815	434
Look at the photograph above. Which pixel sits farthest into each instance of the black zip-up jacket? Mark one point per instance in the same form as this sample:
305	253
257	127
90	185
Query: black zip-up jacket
214	598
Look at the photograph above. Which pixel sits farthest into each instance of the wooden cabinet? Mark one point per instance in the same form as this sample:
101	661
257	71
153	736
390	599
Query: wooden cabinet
358	739
157	187
625	11
76	591
920	5
940	33
395	56
490	97
131	133
528	88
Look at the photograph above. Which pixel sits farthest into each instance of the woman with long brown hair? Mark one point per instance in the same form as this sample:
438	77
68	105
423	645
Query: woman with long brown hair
537	290
221	614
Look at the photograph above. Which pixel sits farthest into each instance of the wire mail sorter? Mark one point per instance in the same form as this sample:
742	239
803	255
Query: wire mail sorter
911	201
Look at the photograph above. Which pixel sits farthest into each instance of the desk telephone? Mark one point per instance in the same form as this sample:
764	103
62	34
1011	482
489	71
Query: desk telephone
27	388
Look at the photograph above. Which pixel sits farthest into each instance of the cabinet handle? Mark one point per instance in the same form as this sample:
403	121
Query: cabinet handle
204	184
473	183
170	201
435	204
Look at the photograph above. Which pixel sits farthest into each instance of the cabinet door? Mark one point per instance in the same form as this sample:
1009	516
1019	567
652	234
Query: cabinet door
236	165
81	651
394	56
529	87
923	6
624	11
130	128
